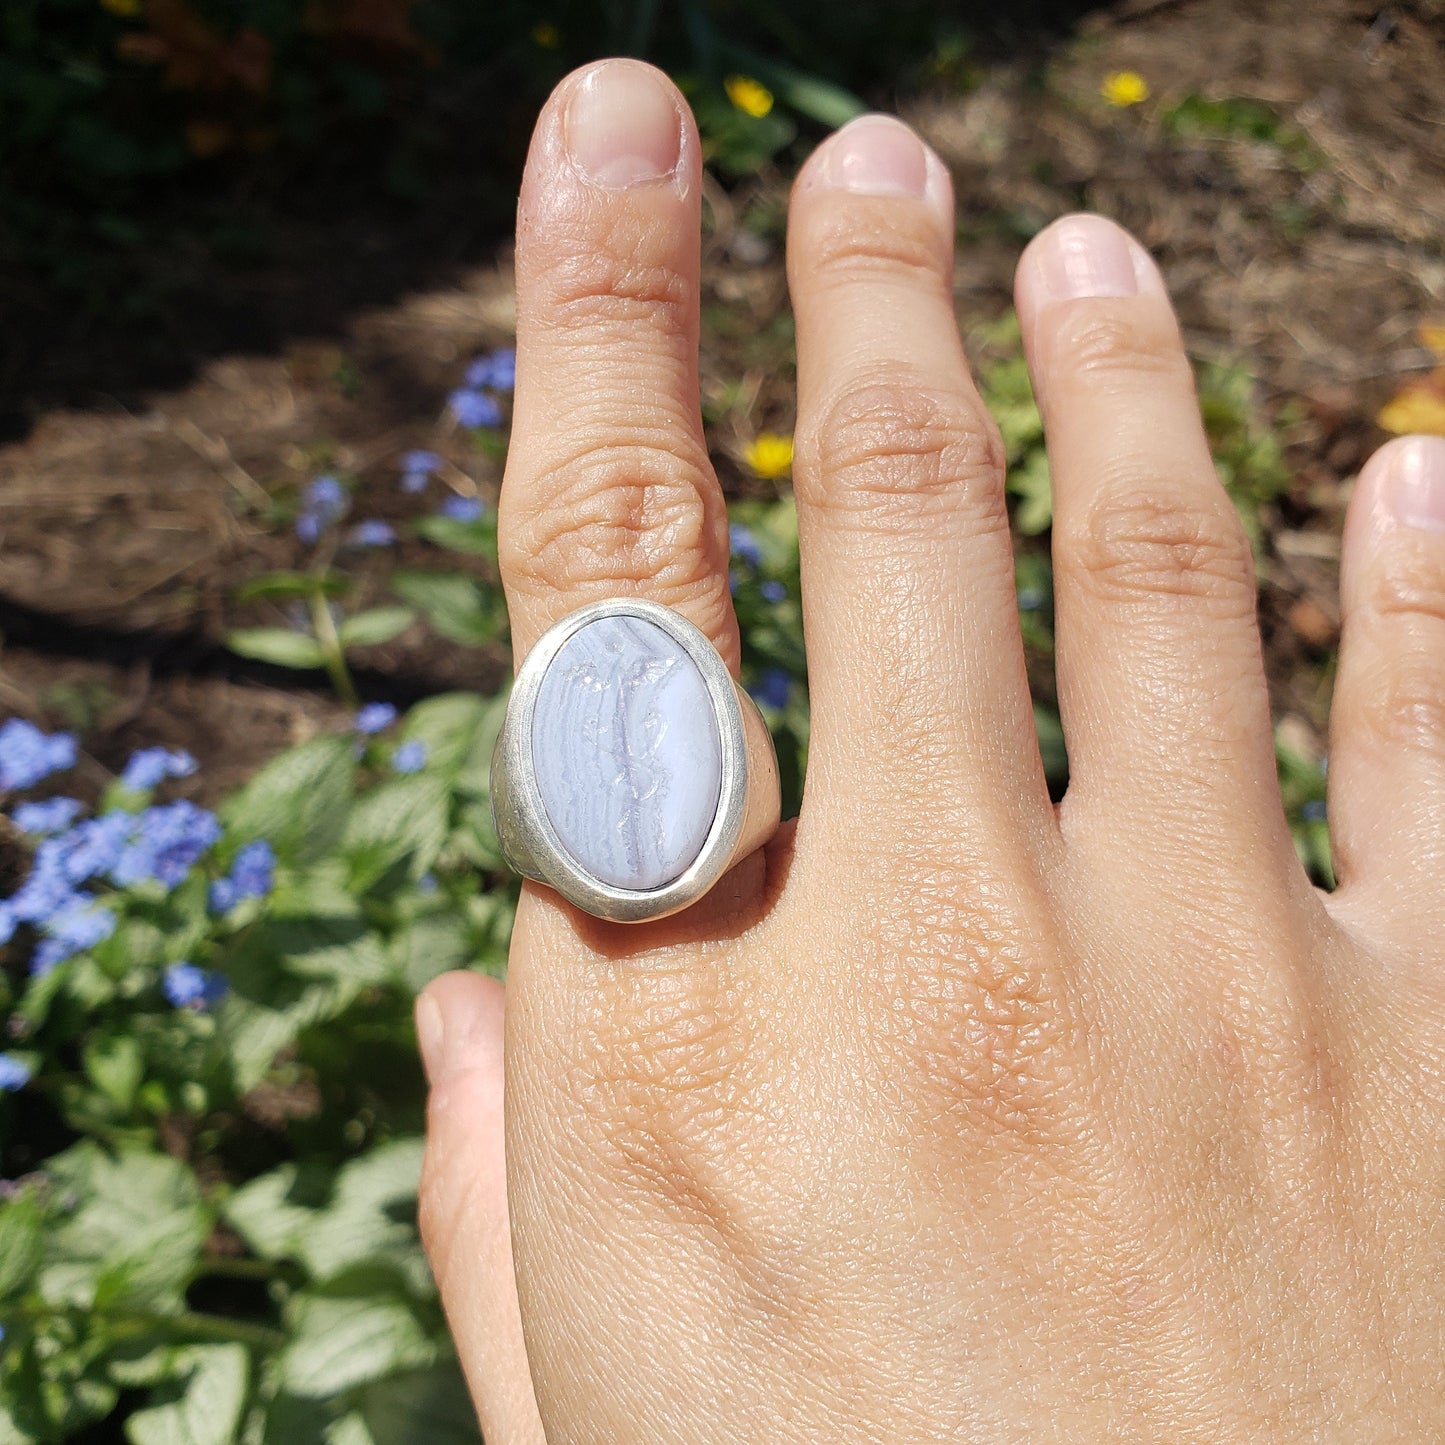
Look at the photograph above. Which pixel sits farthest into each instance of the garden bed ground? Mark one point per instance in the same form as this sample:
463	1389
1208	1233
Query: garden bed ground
1306	239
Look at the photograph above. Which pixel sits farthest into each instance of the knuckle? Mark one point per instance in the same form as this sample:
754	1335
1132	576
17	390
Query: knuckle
1121	346
1410	589
1405	705
616	514
662	1081
844	247
1145	549
985	1032
886	443
1402	700
620	277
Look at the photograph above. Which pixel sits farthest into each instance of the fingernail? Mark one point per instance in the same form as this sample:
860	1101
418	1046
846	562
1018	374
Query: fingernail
623	127
876	155
431	1037
1410	484
1083	256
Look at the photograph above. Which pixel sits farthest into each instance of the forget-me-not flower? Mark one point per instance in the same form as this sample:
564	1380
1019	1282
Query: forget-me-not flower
773	687
14	1073
27	755
410	757
53	815
323	504
744	545
372	533
187	986
475	408
150	767
462	509
375	717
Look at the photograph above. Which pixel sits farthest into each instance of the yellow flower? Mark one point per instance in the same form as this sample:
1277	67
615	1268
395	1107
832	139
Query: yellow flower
1432	337
1124	88
769	455
124	8
546	35
748	95
1417	407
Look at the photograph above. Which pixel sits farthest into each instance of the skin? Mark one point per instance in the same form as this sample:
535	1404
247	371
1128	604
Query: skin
953	1114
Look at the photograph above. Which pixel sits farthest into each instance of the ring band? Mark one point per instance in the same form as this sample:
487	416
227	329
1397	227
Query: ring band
631	771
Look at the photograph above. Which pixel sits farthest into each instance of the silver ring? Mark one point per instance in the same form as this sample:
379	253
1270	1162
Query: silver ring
631	771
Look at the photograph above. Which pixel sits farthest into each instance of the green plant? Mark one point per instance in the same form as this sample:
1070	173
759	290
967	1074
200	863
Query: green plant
221	1107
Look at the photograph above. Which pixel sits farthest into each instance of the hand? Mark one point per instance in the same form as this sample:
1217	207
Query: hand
953	1115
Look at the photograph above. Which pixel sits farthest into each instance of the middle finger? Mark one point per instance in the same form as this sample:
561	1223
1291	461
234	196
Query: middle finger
921	711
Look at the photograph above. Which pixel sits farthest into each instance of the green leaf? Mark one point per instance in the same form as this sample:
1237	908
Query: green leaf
339	1342
449	725
1030	483
203	1407
277	645
21	1243
302	964
136	1234
431	943
114	1065
457	606
298	802
375	626
426	1405
475	539
332	1222
284	586
402	818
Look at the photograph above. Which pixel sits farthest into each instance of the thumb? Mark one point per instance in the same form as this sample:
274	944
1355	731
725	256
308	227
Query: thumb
463	1202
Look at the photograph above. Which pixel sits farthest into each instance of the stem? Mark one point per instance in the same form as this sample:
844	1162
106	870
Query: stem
324	625
190	1324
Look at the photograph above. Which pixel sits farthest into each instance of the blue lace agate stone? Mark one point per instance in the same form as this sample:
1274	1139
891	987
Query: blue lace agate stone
627	753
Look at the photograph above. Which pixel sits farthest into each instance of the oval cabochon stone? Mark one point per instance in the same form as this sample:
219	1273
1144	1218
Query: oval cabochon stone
627	753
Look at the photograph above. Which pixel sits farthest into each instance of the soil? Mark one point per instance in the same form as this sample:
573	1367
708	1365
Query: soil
127	531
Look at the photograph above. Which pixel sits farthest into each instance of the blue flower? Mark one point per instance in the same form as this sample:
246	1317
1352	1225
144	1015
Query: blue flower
410	757
51	816
79	924
474	408
498	369
420	463
7	923
462	509
323	504
223	895
773	591
164	843
427	884
773	687
372	534
504	368
27	754
744	545
150	767
375	717
1313	810
1030	599
253	869
187	986
88	850
13	1073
